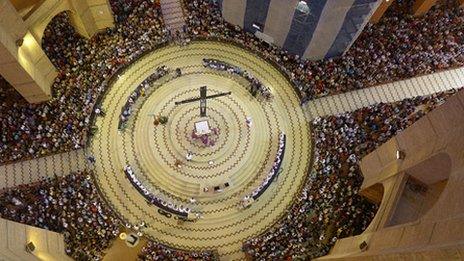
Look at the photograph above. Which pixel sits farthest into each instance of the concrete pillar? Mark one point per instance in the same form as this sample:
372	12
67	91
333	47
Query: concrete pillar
233	11
330	21
381	10
25	66
421	7
95	15
279	19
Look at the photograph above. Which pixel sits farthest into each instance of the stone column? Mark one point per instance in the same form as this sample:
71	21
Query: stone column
421	7
95	15
22	61
381	10
279	19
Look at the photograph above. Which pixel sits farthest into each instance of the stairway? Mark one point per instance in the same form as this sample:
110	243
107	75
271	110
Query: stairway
173	15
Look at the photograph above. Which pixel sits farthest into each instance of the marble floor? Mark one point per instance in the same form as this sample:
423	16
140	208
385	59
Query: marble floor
241	155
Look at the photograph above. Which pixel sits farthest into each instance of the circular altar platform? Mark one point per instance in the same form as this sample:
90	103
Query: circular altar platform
242	155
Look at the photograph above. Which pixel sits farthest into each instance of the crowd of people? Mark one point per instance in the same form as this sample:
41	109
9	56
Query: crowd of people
398	47
140	91
256	86
69	205
273	173
153	198
63	123
122	9
329	206
64	46
154	251
8	95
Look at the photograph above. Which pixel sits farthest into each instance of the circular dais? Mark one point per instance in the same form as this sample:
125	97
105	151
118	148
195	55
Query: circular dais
236	152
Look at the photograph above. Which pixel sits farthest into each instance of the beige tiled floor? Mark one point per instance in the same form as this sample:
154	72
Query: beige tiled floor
172	14
30	171
241	155
390	92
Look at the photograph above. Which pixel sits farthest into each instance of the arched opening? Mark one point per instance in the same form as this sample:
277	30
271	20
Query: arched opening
421	189
372	197
64	46
374	193
8	94
367	205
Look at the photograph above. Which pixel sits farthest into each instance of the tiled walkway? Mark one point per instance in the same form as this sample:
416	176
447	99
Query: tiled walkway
390	92
172	15
29	171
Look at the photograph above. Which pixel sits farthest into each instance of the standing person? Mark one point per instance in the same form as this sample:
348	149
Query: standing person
189	156
91	159
178	163
249	121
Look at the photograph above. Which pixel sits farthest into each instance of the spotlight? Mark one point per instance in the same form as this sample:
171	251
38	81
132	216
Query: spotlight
123	236
257	27
363	246
19	42
400	155
30	247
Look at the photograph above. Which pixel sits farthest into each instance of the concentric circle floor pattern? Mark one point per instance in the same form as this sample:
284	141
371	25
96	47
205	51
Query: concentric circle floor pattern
241	155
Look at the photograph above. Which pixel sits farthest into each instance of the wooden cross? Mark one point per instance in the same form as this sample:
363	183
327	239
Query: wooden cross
203	97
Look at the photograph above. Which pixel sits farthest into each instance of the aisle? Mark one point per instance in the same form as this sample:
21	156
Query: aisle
30	171
173	15
389	92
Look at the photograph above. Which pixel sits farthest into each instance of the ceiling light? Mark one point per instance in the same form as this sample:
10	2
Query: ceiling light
30	247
